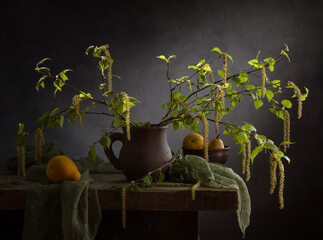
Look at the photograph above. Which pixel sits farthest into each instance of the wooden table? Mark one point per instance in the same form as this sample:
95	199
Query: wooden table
153	213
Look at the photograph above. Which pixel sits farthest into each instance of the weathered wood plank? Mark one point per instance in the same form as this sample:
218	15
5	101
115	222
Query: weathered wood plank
148	199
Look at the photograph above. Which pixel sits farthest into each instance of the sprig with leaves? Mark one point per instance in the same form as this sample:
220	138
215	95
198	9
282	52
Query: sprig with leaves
118	105
206	95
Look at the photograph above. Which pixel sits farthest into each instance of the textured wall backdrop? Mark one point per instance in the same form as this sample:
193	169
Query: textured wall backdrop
137	32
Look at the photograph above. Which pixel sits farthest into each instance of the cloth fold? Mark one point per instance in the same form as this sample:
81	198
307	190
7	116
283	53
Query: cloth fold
217	176
70	210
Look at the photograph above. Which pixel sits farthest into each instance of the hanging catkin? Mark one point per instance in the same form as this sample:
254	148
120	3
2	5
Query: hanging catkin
205	136
244	158
219	98
123	206
286	129
225	68
281	183
21	160
299	97
273	172
263	81
18	150
37	147
248	160
194	187
76	104
126	99
108	56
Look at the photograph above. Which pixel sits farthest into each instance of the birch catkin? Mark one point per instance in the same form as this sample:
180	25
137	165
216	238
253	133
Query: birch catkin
286	129
224	68
299	97
108	56
205	136
263	81
194	187
125	98
281	183
123	206
248	160
21	160
76	104
244	158
273	172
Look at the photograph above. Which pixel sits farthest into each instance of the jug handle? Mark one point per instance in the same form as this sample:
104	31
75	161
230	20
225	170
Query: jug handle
109	152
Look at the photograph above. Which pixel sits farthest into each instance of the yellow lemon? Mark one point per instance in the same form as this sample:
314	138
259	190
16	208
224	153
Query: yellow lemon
193	141
61	168
216	144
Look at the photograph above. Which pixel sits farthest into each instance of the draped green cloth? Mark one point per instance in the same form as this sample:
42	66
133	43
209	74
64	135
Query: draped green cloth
217	176
67	211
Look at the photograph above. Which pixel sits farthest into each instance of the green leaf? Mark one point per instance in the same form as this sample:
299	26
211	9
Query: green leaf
248	127
54	112
175	125
61	121
216	49
269	95
172	56
97	52
287	158
41	61
286	103
147	180
284	52
91	154
220	73
162	57
243	76
258	103
44	70
133	189
104	64
20	128
121	108
286	142
88	49
194	126
270	145
41	82
275	83
108	93
159	177
255	63
229	57
255	152
105	141
63	76
258	53
271	62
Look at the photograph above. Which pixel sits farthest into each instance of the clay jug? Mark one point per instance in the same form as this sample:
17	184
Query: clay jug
146	151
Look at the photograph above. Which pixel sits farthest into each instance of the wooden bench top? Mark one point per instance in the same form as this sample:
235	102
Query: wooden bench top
13	197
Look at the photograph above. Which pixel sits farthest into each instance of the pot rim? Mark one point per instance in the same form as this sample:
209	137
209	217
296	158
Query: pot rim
222	149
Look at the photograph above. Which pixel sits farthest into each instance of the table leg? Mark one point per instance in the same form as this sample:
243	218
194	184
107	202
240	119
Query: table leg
149	225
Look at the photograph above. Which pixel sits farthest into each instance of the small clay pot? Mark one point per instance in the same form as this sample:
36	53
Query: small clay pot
218	156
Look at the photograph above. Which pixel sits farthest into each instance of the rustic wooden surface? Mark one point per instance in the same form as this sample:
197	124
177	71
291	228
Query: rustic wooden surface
148	199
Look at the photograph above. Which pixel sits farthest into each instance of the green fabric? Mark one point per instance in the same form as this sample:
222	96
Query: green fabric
67	211
217	176
49	150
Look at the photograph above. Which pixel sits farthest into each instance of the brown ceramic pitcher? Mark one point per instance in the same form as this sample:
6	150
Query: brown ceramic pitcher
146	151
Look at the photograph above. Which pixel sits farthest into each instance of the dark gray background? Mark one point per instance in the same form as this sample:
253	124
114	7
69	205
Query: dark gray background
137	31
